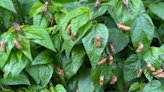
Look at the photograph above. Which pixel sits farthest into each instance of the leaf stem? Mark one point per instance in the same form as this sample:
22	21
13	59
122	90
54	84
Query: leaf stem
93	19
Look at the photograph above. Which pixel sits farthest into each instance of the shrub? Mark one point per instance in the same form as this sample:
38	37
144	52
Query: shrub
81	45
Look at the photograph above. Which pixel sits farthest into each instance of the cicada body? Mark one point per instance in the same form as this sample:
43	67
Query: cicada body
139	72
111	48
123	27
140	47
3	46
73	37
101	61
44	10
97	5
68	30
110	59
125	3
98	41
52	21
150	67
101	81
114	80
17	44
17	28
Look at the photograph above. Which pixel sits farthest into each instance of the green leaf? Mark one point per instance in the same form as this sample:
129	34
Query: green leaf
51	86
134	86
68	43
9	39
148	75
72	84
131	67
140	33
35	9
40	20
17	80
19	55
40	73
162	48
153	56
120	40
42	58
58	17
26	48
61	2
157	35
72	14
52	30
111	10
85	83
35	87
33	71
7	90
25	7
161	31
153	86
57	41
45	90
59	88
89	43
45	73
120	75
78	53
5	16
157	9
142	85
73	5
38	35
8	5
14	66
101	10
71	66
127	15
109	22
79	21
103	0
32	34
103	70
48	16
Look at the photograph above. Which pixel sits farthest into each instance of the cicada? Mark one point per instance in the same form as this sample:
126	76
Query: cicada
73	37
114	80
123	27
139	72
97	5
44	10
110	59
17	28
101	81
68	30
3	46
150	67
52	21
98	41
140	47
101	61
17	44
125	3
111	47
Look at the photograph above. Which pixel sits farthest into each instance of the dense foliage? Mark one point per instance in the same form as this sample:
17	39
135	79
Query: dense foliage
82	45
